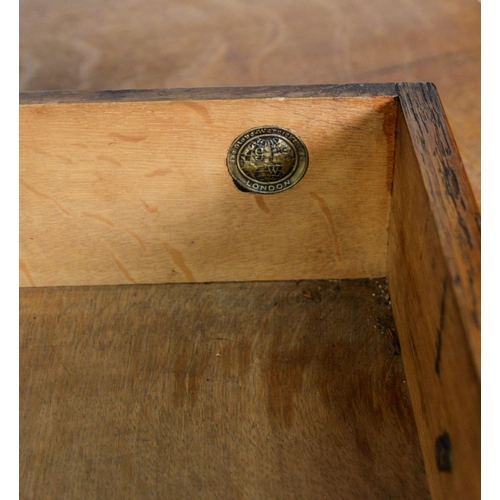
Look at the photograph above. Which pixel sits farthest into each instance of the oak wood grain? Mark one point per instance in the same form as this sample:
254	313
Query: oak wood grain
139	192
434	279
241	391
131	44
454	209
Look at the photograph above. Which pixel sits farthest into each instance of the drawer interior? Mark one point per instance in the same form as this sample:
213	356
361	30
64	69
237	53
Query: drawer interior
181	338
285	389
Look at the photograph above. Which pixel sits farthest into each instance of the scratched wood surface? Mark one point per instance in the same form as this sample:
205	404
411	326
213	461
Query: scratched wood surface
435	282
139	192
241	391
117	44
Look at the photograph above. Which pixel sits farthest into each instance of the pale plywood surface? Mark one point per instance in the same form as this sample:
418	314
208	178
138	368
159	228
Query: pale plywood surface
238	391
138	192
155	44
434	278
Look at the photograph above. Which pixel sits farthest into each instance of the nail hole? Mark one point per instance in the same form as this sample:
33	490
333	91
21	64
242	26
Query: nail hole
443	452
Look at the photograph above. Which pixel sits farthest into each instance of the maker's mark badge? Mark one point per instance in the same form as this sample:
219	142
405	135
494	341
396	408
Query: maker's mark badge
267	159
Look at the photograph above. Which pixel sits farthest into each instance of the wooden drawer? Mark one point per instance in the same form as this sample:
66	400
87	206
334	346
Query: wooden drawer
231	344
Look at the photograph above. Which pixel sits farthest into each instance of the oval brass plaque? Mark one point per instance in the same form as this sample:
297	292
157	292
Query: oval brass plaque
267	159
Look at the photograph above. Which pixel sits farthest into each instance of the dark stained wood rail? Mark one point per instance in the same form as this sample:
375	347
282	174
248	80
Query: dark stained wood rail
435	283
217	93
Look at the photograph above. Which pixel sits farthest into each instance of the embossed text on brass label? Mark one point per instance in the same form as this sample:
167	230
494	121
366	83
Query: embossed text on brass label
267	159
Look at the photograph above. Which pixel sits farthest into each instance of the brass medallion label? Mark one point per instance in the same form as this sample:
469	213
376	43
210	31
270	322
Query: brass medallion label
267	159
